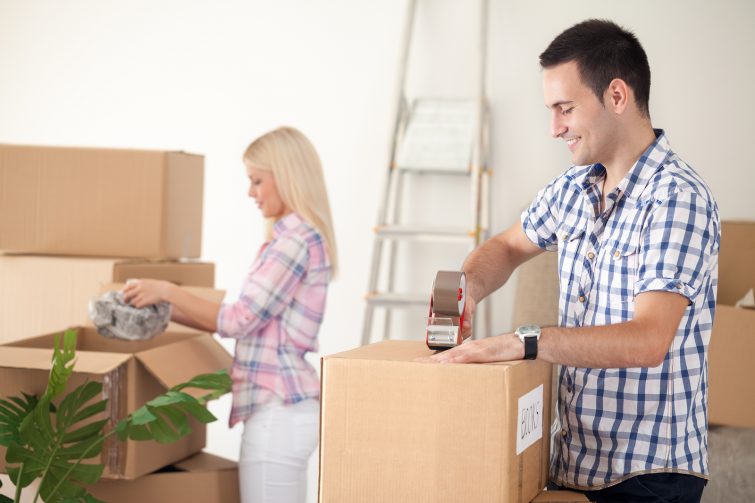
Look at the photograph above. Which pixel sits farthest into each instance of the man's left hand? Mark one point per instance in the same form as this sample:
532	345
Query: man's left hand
500	348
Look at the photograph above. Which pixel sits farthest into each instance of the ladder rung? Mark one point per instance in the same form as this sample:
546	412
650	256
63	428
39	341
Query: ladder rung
439	170
418	233
398	299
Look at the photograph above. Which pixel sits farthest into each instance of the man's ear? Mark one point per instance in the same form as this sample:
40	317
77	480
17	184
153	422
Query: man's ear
617	96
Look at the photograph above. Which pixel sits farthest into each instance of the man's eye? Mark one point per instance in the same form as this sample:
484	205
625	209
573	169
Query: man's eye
567	111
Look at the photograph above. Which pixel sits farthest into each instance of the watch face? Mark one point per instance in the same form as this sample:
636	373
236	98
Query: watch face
528	330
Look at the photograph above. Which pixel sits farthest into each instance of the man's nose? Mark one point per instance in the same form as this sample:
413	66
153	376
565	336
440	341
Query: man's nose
557	126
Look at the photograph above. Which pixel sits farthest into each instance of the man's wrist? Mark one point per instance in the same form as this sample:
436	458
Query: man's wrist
529	335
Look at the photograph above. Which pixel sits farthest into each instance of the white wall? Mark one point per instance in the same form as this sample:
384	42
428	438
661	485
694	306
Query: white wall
208	77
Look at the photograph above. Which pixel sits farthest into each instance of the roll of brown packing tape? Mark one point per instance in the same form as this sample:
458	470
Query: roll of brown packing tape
449	290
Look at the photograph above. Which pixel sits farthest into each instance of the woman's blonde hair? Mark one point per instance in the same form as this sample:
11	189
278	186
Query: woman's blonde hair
297	170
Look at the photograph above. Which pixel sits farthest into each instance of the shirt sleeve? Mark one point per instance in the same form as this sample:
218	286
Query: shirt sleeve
679	245
540	221
268	290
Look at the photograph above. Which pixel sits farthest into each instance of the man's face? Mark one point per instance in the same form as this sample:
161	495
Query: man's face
577	116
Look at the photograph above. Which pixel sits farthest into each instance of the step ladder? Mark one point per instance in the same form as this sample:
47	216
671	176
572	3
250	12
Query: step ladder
432	137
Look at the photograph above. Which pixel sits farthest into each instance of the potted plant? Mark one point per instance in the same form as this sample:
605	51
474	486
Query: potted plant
49	437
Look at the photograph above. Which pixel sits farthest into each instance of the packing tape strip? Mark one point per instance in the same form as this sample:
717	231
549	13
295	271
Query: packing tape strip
449	291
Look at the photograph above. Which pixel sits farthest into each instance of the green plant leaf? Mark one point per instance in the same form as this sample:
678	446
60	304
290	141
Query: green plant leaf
218	382
13	411
52	440
63	360
165	417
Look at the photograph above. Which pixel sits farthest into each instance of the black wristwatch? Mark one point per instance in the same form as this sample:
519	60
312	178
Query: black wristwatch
529	335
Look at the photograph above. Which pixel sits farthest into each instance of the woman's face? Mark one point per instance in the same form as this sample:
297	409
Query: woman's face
264	191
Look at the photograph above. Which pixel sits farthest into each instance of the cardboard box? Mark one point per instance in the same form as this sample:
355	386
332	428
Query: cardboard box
560	497
393	429
41	294
730	369
100	202
132	373
203	478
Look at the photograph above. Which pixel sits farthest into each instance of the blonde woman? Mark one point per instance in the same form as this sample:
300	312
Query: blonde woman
275	320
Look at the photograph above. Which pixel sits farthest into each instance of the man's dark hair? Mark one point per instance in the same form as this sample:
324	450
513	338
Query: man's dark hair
603	51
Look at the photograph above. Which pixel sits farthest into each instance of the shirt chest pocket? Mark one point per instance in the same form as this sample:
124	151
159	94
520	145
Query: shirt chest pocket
618	269
571	242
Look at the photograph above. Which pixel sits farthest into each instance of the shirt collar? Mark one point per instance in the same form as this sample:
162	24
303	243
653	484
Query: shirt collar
640	173
287	222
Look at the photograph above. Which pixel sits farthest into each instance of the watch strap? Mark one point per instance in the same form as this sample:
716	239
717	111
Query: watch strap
530	347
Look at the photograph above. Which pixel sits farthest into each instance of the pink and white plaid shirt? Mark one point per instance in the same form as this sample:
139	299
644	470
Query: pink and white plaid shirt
276	319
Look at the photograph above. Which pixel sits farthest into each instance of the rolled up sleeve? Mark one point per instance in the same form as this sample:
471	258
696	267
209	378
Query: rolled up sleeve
680	240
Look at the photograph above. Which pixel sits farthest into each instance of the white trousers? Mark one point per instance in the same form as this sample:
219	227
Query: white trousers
277	442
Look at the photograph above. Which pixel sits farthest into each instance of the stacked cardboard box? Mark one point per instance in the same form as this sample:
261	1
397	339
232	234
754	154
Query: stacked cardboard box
72	221
732	344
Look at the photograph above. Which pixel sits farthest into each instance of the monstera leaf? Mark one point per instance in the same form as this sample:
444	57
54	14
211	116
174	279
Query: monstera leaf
50	442
166	418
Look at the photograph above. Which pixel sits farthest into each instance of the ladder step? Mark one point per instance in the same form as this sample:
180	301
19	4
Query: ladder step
422	233
460	171
398	299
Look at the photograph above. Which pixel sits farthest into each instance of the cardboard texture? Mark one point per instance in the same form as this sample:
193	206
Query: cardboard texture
732	344
100	202
202	478
132	373
393	429
41	294
560	497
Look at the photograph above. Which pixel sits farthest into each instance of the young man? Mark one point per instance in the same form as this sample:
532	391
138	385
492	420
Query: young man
637	233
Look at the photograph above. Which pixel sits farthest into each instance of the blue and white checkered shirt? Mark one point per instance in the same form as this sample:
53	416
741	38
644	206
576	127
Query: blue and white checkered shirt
659	231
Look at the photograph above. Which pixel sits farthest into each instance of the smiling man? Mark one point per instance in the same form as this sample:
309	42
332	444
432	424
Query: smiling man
637	235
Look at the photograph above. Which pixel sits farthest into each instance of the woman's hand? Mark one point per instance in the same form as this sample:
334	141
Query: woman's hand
145	292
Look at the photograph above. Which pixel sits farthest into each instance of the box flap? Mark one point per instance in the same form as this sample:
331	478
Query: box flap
206	293
206	462
176	363
736	267
192	273
87	362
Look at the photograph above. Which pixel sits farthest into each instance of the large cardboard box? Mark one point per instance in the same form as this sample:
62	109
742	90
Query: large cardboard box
202	478
393	429
132	373
40	294
732	345
100	202
560	497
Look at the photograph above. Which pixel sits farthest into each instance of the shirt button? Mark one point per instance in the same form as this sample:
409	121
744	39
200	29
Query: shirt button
565	237
581	298
591	255
678	286
617	254
563	432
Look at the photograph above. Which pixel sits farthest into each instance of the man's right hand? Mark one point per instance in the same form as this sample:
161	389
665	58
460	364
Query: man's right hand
469	308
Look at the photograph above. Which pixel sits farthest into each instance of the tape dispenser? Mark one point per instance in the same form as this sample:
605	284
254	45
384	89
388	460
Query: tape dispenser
446	317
